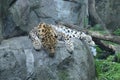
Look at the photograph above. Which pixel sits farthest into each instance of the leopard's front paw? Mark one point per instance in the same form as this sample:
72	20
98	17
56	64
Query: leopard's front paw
36	45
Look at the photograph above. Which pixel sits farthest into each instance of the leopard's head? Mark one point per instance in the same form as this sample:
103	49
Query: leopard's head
41	29
48	37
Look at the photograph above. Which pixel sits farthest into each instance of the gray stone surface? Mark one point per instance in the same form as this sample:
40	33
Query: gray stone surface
30	12
20	16
8	27
25	14
19	61
109	11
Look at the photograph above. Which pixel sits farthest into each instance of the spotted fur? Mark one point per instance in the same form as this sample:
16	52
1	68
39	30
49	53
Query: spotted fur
47	35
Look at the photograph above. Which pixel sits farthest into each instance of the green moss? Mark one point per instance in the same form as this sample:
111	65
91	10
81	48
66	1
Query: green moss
99	29
117	55
99	50
109	42
107	70
85	21
96	27
117	32
110	58
63	75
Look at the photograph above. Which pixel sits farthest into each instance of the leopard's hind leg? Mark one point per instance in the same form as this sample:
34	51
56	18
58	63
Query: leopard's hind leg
69	44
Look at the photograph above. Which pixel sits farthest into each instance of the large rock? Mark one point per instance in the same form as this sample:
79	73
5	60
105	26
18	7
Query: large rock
8	26
29	13
22	15
19	61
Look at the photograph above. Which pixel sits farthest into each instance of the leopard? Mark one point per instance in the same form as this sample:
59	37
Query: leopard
44	36
47	36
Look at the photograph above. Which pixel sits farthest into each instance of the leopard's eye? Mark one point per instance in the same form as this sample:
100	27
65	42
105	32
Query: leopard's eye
42	30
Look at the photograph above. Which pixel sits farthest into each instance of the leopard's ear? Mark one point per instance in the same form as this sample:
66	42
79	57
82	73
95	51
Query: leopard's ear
41	25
